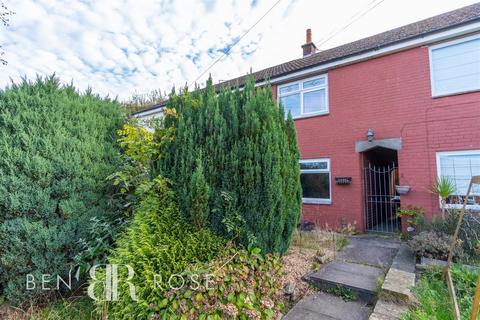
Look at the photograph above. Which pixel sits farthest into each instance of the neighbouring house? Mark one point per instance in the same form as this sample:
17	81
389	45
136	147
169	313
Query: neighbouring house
379	119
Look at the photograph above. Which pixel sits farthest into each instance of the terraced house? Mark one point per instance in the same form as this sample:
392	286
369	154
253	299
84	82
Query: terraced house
379	119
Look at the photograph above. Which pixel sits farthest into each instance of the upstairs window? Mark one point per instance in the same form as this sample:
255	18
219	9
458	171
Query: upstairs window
315	180
455	66
459	167
305	98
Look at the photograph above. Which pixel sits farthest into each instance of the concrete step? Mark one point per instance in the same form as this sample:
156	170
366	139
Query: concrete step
361	279
322	306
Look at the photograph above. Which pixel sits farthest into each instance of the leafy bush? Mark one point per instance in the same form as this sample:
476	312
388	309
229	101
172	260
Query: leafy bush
158	242
469	232
243	285
248	156
434	245
57	148
434	298
140	151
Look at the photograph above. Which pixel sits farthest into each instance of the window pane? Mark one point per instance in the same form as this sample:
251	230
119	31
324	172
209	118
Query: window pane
456	68
291	103
314	165
315	185
314	101
314	83
290	88
460	169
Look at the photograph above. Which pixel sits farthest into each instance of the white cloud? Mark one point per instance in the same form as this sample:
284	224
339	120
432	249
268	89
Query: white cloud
120	47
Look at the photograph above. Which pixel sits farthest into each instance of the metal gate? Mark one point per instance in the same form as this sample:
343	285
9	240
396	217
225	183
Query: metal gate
381	199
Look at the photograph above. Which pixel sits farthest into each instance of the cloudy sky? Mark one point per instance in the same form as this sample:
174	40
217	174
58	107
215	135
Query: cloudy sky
119	47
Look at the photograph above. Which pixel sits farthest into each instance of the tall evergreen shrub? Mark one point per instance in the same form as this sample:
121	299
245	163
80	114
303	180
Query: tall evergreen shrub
56	149
249	158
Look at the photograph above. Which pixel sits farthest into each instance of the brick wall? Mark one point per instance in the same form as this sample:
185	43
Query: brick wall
392	95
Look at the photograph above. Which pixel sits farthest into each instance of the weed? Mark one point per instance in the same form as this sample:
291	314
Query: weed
345	293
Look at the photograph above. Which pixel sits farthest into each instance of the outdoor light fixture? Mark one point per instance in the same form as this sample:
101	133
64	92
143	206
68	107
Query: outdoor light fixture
370	134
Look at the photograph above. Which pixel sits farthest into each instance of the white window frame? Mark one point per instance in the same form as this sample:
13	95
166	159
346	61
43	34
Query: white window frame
439	174
301	91
436	94
328	170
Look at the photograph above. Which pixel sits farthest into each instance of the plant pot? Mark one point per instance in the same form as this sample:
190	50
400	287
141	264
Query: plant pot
402	189
407	226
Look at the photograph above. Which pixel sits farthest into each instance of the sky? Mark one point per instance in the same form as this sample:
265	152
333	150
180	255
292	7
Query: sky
121	47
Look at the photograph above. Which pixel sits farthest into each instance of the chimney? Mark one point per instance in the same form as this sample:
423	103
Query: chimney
309	47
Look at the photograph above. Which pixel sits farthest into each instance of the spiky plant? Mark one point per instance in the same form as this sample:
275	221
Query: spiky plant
444	188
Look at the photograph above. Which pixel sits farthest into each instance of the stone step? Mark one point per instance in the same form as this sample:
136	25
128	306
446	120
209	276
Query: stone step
397	285
361	279
385	310
400	279
322	306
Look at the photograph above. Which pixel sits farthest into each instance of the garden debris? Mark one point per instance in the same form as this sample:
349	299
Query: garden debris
296	264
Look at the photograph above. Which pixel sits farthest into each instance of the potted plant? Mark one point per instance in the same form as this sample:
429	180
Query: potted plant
409	216
444	188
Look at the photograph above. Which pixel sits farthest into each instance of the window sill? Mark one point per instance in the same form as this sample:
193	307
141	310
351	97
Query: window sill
471	207
316	201
449	94
311	115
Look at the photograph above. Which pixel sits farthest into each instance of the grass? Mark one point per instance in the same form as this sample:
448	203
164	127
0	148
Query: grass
78	308
319	239
432	294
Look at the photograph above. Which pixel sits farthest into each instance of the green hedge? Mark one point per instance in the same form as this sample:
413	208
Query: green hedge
57	147
158	242
233	159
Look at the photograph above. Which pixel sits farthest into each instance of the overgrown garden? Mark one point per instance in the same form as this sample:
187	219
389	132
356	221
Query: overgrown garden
213	191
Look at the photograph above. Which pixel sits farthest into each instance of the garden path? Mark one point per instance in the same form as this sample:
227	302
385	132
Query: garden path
359	269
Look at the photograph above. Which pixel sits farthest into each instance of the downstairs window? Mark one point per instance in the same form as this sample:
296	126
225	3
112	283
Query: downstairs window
315	180
459	167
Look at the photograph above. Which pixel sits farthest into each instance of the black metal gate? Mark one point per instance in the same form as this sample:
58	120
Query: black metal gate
381	199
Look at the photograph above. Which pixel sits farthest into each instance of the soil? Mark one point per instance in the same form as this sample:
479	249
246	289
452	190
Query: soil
297	263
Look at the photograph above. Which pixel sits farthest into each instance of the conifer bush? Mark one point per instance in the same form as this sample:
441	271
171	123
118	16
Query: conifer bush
248	156
57	147
158	245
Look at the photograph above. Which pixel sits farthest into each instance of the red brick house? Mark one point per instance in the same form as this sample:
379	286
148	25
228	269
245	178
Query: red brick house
379	119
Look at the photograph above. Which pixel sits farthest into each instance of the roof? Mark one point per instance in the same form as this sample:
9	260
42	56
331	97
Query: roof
411	31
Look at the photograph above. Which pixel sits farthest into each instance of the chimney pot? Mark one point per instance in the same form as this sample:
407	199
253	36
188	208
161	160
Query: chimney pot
309	47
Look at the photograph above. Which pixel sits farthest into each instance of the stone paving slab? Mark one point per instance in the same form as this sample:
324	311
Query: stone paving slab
405	259
321	306
388	311
361	279
371	251
397	285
